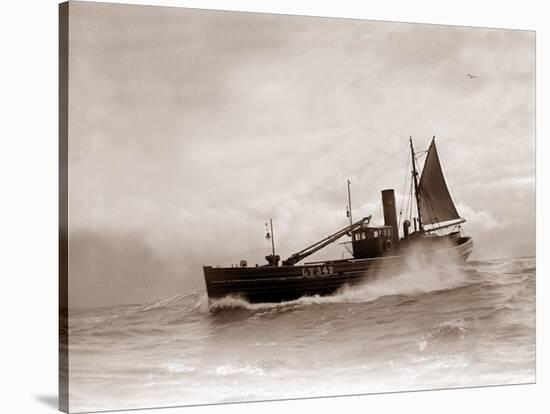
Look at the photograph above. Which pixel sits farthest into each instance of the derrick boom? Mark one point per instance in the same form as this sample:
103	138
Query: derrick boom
315	247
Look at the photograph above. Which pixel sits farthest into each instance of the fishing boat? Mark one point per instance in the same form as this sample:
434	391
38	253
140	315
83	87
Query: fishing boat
431	235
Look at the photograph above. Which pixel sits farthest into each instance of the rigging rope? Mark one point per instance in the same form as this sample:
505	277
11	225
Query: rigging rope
450	186
438	204
410	202
403	192
285	246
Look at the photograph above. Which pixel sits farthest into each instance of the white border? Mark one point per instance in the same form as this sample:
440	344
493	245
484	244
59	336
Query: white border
28	210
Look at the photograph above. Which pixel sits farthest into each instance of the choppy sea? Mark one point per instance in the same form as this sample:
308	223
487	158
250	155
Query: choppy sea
423	329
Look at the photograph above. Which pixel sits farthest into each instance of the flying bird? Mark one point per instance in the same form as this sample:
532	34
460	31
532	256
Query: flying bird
471	76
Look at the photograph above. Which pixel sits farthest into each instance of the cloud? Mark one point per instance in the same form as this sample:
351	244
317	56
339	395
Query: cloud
190	128
481	220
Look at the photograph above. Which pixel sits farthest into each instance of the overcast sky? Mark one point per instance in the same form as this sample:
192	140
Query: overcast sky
189	129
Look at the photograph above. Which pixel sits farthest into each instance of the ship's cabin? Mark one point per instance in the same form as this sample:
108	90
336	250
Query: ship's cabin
370	242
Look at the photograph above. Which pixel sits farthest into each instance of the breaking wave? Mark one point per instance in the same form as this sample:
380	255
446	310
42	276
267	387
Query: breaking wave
408	283
423	328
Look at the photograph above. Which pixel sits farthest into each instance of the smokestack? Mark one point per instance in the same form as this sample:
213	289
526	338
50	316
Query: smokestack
406	226
390	214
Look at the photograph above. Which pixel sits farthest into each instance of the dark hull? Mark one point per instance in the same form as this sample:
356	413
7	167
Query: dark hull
284	283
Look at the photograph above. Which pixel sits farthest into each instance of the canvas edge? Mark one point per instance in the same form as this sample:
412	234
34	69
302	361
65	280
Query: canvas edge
63	318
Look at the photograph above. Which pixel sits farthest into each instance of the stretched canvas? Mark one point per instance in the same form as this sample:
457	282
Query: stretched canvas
259	207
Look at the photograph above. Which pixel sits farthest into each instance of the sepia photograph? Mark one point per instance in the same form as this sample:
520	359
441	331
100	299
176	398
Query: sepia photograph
260	207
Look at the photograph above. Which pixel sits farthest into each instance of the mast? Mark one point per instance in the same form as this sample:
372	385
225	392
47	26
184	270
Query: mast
349	204
272	238
416	193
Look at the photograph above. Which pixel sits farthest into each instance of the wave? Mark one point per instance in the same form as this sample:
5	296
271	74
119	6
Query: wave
448	331
514	278
422	328
519	265
410	283
404	284
180	309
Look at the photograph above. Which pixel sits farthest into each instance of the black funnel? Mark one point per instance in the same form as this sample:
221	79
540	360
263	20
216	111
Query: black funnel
390	214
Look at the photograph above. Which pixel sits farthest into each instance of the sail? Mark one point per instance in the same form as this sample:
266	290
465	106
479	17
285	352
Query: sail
436	204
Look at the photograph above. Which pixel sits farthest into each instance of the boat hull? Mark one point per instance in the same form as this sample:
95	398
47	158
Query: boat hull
285	283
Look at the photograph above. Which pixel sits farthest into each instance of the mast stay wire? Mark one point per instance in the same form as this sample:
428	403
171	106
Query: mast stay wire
447	180
403	192
280	241
285	246
409	202
450	186
418	156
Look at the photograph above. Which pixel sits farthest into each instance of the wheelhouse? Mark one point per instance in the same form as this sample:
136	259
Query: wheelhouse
372	241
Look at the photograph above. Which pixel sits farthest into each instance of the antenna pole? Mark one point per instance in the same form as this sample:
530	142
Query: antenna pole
349	203
416	193
272	237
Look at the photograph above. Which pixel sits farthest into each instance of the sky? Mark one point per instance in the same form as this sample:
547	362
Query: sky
189	129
